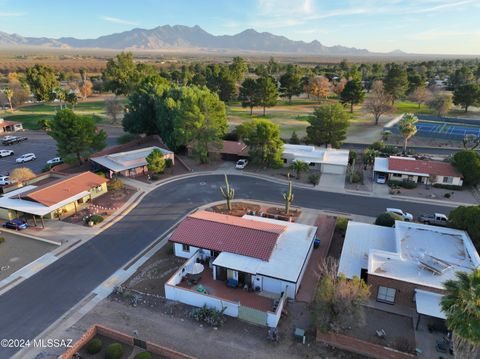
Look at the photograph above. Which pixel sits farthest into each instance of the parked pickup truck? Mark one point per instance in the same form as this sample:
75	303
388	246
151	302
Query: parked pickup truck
13	140
436	219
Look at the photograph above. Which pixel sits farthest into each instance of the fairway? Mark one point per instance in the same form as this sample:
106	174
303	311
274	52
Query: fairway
30	115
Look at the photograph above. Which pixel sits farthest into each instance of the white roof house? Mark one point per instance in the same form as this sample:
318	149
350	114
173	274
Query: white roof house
287	259
329	160
420	254
123	161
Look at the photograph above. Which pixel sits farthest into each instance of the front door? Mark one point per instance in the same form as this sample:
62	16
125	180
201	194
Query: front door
221	273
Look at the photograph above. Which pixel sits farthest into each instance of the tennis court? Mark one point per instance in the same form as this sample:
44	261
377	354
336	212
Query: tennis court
448	130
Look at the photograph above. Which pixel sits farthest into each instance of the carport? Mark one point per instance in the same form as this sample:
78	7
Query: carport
428	304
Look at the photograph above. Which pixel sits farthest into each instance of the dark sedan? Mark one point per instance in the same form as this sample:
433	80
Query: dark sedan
16	224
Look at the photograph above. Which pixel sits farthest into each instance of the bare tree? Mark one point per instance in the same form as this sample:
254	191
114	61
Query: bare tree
471	141
339	301
114	108
85	88
420	96
379	102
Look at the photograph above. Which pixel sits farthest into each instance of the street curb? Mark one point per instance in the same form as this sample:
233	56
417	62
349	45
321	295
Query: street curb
19	233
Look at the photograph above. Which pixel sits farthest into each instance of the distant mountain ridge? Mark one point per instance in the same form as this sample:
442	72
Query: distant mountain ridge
185	37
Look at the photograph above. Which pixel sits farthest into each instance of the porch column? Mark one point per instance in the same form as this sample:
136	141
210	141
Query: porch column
75	205
41	219
34	221
418	321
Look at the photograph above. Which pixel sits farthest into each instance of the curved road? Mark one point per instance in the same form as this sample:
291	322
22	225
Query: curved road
30	307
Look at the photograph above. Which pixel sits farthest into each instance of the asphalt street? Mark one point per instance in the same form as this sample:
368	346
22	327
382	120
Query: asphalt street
30	307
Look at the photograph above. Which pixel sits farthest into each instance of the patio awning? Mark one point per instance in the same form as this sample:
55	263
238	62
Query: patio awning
428	303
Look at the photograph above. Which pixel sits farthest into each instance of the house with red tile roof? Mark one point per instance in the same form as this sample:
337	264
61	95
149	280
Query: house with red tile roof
55	199
419	171
10	126
248	255
226	150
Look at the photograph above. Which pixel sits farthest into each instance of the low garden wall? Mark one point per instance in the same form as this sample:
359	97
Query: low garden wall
122	338
361	347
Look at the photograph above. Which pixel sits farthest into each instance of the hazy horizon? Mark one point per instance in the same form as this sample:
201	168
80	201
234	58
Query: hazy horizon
415	26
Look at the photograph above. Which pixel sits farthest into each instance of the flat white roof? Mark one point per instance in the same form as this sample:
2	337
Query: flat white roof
12	202
122	161
428	303
410	252
381	164
316	155
359	239
288	256
424	255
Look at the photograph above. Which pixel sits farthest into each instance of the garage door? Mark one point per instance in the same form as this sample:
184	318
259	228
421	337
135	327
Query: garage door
335	169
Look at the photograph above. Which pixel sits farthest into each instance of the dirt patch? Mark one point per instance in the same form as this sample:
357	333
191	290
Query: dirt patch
239	209
336	245
151	277
104	205
399	332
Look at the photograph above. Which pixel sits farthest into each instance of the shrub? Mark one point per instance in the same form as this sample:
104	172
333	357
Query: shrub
168	163
155	177
143	355
211	316
47	168
2	239
356	177
404	184
115	185
385	220
448	186
341	224
314	179
447	195
114	351
94	346
95	218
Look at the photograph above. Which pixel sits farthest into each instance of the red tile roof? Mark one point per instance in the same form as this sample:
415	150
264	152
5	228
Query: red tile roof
234	148
434	168
224	233
6	123
63	189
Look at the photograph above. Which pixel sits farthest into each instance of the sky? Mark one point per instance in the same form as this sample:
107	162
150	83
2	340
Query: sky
415	26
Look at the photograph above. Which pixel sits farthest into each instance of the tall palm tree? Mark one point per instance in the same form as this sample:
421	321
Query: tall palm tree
407	128
9	95
299	167
461	304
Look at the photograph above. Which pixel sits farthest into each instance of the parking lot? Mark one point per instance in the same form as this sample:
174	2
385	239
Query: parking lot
42	145
44	148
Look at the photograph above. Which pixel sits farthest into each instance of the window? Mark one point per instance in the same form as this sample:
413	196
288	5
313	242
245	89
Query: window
386	295
447	179
312	164
396	175
185	248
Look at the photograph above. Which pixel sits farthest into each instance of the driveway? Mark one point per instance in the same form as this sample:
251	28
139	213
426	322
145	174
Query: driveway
332	181
33	305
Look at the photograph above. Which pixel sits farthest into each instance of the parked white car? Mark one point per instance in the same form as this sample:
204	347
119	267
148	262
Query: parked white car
381	178
4	180
5	153
408	217
27	157
241	164
55	161
6	138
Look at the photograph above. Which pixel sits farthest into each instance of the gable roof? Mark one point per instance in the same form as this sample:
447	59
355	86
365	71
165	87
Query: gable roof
435	168
225	233
64	188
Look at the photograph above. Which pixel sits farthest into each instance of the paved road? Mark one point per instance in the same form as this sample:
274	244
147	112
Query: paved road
30	307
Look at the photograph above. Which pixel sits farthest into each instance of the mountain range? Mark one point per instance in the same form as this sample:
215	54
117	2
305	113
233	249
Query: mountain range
184	37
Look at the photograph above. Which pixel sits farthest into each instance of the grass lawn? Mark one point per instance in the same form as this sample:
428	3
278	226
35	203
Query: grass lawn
30	115
411	107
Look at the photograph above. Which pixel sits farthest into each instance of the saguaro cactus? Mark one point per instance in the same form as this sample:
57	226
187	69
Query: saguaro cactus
228	193
288	196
